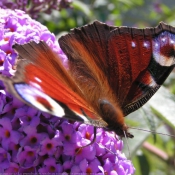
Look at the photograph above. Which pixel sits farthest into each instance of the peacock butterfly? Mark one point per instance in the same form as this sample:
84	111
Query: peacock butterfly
112	72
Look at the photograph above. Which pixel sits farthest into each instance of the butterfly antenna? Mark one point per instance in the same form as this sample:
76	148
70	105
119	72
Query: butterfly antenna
99	144
127	145
154	132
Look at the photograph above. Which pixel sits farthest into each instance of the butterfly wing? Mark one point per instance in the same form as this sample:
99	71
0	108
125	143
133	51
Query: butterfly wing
42	81
144	59
134	62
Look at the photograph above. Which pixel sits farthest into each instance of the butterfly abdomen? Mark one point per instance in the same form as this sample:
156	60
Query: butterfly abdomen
113	116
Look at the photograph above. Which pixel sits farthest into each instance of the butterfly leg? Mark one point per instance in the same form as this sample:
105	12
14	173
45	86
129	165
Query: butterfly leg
94	138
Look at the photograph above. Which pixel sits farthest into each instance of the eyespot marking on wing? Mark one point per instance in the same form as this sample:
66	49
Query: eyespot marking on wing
39	99
163	49
43	102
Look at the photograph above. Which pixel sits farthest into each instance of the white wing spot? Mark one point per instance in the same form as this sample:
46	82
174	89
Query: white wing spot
133	44
37	79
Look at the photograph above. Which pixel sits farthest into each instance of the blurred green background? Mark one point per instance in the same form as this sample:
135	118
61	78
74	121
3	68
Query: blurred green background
133	13
151	154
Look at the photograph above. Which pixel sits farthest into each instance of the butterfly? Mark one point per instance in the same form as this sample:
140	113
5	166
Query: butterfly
112	71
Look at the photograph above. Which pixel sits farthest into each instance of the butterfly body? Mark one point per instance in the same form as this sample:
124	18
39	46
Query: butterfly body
112	72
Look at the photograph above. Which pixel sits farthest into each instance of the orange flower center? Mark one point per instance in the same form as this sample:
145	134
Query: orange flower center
7	134
30	153
88	135
49	146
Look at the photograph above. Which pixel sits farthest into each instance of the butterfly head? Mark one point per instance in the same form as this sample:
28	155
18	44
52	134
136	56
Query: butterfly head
120	130
113	116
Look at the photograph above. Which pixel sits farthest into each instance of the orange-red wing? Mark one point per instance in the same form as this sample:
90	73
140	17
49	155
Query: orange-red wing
42	81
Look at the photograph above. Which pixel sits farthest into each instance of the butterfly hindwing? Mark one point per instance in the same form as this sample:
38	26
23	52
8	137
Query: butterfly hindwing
139	57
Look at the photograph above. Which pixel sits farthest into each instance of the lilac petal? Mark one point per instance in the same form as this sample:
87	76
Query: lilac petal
83	165
5	123
69	132
126	165
7	67
59	137
12	104
120	170
88	153
94	165
7	134
87	131
26	157
100	150
69	149
12	24
13	168
4	159
107	165
32	138
46	35
67	165
113	172
75	169
27	116
50	166
48	146
14	137
13	148
2	58
23	170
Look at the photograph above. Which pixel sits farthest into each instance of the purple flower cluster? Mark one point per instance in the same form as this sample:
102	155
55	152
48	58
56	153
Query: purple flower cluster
34	7
36	142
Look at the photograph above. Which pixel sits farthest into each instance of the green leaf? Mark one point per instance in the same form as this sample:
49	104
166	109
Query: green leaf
163	105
